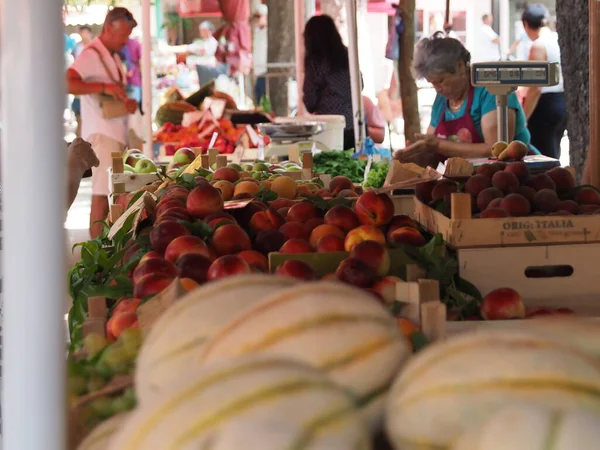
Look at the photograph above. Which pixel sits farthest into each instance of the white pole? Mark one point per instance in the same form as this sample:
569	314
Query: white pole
355	79
299	22
147	79
34	194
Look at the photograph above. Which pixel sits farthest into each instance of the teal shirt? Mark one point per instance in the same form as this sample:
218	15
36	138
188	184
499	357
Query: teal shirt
483	103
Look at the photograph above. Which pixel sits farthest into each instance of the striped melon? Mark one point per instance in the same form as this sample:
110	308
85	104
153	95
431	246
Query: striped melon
453	384
180	333
173	112
331	326
525	427
100	437
250	403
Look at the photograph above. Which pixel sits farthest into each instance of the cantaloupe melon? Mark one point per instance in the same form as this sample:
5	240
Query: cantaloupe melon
451	385
526	427
339	329
176	339
99	438
248	403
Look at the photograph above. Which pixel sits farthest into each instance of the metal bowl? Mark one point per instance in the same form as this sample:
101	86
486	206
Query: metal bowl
290	130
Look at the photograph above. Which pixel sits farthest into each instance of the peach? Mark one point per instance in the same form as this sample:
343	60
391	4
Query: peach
226	266
493	213
527	192
188	284
339	183
520	170
175	192
269	241
323	230
165	232
406	235
303	189
219	221
126	305
486	196
356	272
204	200
266	220
150	255
324	193
563	179
294	246
296	269
347	193
374	209
488	170
495	203
265	184
442	188
230	239
507	182
546	200
226	173
568	205
330	277
342	217
217	215
363	233
311	224
374	254
386	288
152	284
295	230
330	243
538	312
541	181
154	265
282	203
246	187
226	187
184	245
516	205
284	187
164	206
179	213
194	266
587	196
284	212
301	212
244	215
476	184
423	191
255	260
402	220
119	322
502	304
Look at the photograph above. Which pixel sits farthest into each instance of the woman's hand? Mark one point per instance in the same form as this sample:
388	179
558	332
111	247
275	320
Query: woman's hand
131	105
116	91
425	143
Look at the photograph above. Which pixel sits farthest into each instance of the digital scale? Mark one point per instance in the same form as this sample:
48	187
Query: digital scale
286	134
502	78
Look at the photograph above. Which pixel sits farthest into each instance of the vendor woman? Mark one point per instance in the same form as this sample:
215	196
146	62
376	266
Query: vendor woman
463	117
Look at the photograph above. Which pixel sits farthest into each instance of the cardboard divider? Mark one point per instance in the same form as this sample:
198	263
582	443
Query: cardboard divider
150	311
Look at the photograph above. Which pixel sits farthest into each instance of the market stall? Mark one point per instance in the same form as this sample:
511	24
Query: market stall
171	296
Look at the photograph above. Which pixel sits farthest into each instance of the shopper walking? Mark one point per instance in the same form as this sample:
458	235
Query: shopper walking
545	108
488	45
98	77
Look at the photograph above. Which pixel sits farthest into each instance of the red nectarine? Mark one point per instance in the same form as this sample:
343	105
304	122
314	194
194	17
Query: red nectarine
184	245
226	266
296	269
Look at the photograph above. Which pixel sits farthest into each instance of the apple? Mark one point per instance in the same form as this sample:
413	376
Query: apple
502	304
128	169
132	155
145	166
184	156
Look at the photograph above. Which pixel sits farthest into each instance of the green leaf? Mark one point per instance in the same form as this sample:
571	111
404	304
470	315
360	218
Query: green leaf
266	195
135	198
199	229
419	341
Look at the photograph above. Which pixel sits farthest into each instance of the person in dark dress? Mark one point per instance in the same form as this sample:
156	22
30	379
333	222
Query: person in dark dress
327	87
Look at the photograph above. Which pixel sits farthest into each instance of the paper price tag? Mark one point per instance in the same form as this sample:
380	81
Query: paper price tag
149	312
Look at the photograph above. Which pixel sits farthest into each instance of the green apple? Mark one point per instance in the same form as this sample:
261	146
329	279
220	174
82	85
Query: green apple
260	167
128	169
131	156
247	167
184	156
145	166
235	166
202	172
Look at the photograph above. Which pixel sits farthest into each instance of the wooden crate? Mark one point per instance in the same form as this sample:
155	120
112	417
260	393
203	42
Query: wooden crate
541	274
121	182
463	231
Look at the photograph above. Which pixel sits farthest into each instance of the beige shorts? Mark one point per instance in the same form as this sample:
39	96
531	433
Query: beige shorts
103	146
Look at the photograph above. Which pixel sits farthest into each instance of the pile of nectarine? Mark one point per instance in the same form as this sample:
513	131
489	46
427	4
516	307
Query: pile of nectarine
506	304
499	190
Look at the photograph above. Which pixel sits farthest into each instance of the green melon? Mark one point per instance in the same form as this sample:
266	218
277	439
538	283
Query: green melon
173	112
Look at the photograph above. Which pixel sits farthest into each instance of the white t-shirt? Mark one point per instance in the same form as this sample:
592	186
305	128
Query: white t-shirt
89	66
260	50
487	49
208	47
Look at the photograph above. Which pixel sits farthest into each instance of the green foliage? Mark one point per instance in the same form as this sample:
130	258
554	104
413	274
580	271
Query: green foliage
458	294
377	175
340	163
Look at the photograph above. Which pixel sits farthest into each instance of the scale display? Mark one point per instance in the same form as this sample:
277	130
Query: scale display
515	74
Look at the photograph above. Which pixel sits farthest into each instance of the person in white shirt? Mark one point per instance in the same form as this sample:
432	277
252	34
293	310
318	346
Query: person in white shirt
260	45
489	42
202	50
97	76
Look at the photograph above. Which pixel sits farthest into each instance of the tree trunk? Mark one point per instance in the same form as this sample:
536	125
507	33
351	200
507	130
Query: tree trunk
408	86
281	49
572	26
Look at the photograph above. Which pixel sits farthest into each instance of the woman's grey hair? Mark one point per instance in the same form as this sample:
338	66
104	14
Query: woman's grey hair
207	25
439	54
